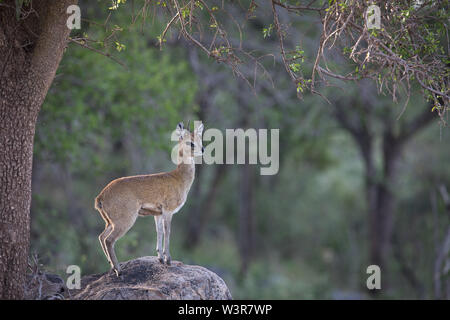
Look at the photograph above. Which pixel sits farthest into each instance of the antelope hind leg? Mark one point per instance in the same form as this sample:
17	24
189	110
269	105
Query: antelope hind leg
105	233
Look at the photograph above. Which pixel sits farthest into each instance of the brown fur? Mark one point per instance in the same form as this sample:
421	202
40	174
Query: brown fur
159	195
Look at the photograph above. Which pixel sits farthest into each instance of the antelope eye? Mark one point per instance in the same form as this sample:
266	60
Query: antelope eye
192	145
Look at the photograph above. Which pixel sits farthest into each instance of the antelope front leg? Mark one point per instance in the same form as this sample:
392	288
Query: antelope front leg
159	237
167	219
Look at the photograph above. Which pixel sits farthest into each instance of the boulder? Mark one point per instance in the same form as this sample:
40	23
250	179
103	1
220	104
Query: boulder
146	278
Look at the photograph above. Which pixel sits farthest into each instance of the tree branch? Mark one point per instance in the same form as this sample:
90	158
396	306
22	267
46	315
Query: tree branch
415	125
106	54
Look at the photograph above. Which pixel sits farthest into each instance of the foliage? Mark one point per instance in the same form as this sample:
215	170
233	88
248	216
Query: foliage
98	114
410	46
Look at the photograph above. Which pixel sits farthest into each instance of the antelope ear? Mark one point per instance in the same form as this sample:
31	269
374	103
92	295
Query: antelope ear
199	129
180	129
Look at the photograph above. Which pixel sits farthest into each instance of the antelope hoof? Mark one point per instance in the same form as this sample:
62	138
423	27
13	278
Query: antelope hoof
168	260
117	272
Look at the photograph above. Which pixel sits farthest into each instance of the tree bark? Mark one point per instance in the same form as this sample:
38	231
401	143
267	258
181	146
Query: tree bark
32	46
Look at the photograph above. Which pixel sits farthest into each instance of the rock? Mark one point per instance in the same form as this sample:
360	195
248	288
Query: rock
146	278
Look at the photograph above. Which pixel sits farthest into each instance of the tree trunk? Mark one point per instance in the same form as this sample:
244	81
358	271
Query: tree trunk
16	153
358	122
32	48
245	218
381	202
203	209
380	222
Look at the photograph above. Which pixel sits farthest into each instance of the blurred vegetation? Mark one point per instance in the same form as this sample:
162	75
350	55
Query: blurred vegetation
101	121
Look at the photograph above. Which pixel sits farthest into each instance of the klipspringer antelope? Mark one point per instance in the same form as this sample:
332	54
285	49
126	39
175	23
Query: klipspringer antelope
160	195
